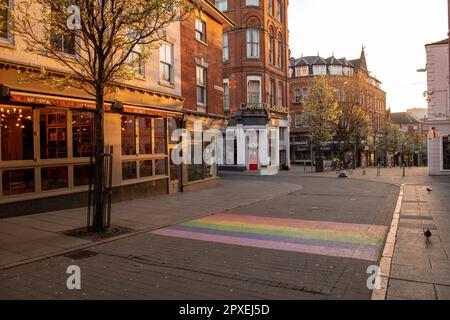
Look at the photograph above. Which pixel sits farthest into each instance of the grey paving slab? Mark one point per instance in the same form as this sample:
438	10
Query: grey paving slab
410	290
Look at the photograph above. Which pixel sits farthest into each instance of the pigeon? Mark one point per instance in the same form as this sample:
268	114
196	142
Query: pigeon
427	234
429	189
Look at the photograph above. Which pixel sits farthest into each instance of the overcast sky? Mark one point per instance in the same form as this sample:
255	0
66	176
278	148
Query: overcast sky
394	33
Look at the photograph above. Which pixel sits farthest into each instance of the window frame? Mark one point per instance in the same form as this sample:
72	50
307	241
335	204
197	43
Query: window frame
253	41
38	163
225	47
166	63
9	36
255	79
200	35
201	70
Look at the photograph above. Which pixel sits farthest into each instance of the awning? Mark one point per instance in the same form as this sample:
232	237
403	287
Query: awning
151	112
49	100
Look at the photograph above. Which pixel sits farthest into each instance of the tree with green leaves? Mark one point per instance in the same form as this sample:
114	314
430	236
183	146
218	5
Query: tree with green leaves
100	44
321	111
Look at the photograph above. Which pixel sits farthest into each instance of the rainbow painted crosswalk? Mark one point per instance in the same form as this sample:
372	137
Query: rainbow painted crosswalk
358	241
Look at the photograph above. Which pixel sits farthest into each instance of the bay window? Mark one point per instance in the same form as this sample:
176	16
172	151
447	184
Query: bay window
253	90
252	43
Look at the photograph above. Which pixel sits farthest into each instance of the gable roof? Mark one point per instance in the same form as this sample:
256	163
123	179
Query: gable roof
334	62
403	118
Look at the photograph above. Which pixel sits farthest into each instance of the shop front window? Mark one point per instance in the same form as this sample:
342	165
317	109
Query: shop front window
129	170
146	168
128	135
82	175
53	133
82	134
160	136
54	178
160	167
18	181
145	135
16	133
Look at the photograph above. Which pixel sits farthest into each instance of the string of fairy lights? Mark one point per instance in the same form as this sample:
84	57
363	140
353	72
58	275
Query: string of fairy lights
11	115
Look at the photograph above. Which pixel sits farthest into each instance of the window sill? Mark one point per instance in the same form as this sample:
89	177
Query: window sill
201	108
166	84
202	42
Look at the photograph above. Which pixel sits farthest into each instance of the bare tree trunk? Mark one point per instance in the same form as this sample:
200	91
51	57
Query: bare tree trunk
99	188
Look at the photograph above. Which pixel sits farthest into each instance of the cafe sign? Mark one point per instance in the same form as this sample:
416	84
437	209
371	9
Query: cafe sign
264	106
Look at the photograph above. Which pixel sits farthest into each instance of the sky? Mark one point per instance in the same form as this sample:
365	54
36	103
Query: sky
394	33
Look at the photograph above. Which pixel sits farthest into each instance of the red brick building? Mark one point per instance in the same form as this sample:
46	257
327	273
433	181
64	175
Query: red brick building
302	71
202	84
256	64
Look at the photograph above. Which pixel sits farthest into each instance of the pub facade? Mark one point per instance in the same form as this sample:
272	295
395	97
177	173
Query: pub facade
47	134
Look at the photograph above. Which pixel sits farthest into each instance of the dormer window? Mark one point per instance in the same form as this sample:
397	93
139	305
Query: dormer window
335	70
319	70
302	71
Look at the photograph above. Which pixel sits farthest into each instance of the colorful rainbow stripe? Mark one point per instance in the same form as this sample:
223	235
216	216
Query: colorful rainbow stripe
358	241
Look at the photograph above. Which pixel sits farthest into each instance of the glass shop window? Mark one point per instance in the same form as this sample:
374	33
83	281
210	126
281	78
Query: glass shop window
145	135
160	136
53	133
82	134
54	178
128	135
146	168
160	167
129	170
16	124
83	174
18	181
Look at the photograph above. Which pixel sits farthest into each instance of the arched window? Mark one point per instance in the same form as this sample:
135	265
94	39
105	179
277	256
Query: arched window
280	51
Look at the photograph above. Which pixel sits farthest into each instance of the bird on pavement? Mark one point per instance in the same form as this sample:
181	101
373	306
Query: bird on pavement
427	233
429	189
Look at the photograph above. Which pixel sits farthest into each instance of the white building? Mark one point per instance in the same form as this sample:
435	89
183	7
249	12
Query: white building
437	95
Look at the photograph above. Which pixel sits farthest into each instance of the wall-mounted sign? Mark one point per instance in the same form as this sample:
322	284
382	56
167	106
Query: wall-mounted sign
264	106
